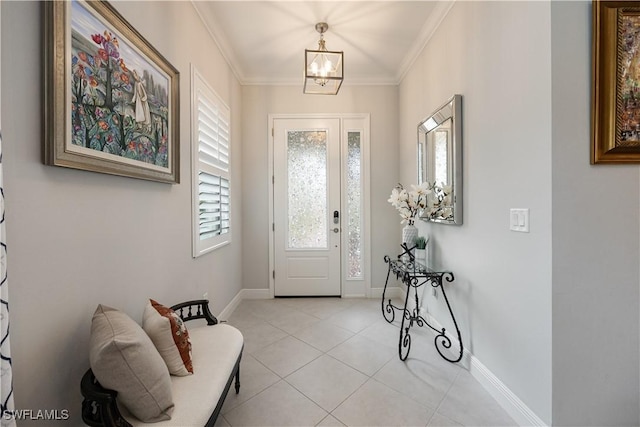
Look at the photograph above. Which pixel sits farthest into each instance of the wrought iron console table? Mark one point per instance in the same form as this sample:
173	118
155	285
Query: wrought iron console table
415	275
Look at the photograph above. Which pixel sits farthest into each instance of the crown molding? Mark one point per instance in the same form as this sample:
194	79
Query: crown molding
429	28
220	39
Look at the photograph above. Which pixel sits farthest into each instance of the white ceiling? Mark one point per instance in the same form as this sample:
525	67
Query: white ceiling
264	41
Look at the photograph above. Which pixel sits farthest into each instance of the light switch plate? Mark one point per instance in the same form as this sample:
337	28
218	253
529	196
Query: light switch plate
519	220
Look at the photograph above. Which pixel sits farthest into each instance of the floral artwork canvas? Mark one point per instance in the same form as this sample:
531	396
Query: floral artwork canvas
119	100
113	98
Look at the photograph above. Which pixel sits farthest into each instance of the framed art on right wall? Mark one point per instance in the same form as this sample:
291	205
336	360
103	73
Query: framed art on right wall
615	120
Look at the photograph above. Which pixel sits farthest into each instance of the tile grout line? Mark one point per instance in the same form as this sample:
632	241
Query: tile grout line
328	413
445	396
377	333
369	377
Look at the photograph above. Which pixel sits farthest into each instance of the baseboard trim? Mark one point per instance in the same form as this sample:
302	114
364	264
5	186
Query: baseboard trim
231	307
509	401
255	294
392	292
353	296
243	295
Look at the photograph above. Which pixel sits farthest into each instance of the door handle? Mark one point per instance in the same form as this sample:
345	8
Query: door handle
336	230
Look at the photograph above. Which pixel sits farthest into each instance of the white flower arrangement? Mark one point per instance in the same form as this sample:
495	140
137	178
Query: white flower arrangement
409	203
416	202
440	205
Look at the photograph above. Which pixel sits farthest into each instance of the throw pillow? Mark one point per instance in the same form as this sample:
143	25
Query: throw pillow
123	358
170	336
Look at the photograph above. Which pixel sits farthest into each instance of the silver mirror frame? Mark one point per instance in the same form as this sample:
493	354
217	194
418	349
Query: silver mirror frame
451	109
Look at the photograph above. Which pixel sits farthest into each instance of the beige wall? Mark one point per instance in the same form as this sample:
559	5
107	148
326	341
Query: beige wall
78	238
552	313
496	56
596	252
381	102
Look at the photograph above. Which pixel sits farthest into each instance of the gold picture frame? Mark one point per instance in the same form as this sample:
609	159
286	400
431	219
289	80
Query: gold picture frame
616	82
111	100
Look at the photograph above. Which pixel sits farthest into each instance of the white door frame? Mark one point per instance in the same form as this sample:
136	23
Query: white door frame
350	288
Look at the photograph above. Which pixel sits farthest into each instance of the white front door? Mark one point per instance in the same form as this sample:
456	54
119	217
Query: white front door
307	215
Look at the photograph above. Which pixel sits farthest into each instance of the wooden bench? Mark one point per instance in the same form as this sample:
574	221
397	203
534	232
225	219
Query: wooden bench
216	363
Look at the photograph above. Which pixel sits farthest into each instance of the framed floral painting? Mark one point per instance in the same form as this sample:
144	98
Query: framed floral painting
615	109
111	101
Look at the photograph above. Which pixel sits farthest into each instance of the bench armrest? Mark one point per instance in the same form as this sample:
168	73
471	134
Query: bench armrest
196	309
99	407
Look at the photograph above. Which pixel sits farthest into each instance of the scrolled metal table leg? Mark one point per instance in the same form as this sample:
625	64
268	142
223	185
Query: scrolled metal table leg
442	340
387	311
404	343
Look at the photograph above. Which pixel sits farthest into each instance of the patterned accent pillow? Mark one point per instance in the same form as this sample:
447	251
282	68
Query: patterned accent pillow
170	336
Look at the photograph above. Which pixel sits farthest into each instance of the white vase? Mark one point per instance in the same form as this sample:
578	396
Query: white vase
409	234
421	256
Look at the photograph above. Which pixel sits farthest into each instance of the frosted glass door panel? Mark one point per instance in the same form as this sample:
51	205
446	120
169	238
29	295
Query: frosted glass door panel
306	193
354	206
307	189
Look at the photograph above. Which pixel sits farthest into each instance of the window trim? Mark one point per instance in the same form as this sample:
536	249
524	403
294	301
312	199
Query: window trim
200	86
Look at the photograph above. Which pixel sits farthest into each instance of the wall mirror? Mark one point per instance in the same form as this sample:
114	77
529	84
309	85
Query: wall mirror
440	162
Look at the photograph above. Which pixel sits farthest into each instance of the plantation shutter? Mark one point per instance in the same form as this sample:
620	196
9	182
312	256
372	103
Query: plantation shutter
211	127
213	133
213	192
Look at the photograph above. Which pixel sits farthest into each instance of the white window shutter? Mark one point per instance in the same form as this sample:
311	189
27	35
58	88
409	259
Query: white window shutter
211	164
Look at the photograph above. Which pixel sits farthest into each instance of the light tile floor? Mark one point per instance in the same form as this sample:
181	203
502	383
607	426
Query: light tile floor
334	362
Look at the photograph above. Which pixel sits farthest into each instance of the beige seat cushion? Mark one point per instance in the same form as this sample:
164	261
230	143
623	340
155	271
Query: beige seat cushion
123	358
170	336
215	352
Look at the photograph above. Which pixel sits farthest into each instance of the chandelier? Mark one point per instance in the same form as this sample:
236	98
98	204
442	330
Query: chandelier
323	69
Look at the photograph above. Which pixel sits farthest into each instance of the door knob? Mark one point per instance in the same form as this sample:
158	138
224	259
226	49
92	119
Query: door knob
336	230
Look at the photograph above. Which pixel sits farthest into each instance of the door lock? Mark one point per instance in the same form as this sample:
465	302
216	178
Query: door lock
336	217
